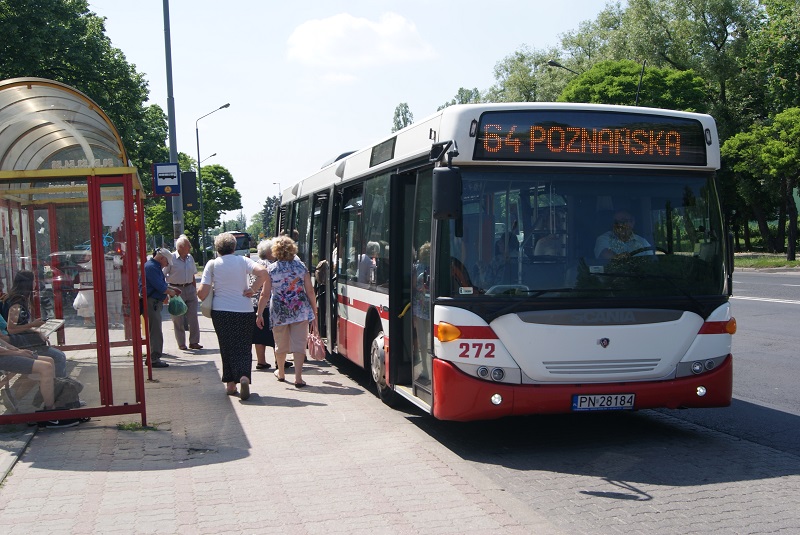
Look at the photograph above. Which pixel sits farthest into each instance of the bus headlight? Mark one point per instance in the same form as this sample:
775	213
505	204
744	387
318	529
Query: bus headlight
483	372
498	374
697	367
497	399
701	391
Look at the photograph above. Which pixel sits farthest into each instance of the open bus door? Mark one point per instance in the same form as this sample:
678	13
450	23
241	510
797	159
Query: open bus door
401	193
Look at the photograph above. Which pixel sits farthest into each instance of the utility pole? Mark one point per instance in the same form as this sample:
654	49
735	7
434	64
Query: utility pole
177	201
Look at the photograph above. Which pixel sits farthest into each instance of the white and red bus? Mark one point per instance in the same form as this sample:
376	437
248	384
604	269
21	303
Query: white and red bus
509	259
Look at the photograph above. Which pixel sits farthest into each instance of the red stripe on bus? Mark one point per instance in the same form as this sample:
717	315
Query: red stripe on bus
362	306
471	332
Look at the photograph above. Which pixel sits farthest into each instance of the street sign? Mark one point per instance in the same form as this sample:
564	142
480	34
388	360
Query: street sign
166	179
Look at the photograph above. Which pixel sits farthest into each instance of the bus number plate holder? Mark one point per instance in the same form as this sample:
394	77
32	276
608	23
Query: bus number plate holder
603	402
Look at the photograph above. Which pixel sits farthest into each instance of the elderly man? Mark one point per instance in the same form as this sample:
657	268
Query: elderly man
180	274
621	240
158	292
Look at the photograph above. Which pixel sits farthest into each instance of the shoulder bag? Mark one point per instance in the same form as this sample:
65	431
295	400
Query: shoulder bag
206	304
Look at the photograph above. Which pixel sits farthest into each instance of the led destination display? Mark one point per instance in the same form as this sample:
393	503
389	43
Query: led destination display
585	136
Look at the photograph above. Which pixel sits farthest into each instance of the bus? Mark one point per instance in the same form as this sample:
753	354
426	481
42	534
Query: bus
243	242
472	263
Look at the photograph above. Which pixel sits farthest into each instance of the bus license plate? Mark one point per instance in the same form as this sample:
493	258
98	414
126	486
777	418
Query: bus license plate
603	402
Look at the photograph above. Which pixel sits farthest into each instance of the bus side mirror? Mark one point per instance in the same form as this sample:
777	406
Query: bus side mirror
447	193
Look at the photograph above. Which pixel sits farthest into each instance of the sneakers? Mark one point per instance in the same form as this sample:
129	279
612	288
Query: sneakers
160	364
58	424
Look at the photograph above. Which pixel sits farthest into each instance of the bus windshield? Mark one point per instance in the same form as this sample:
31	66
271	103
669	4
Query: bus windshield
568	234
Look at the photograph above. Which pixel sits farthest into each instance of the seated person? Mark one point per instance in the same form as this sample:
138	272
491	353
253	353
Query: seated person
14	360
620	240
368	262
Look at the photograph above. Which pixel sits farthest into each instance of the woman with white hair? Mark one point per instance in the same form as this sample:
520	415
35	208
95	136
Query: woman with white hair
262	337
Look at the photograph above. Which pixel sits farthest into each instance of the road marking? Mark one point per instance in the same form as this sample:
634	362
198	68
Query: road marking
765	299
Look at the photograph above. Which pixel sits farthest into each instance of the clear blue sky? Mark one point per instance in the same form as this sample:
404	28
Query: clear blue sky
309	80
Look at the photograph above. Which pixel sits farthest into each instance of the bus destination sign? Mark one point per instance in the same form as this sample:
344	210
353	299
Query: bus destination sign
590	136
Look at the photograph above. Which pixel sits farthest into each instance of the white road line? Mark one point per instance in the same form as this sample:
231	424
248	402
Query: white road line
765	299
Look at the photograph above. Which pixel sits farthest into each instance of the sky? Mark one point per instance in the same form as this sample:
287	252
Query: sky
308	81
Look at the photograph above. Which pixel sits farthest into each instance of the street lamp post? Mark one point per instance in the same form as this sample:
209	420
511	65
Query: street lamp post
200	182
280	198
554	63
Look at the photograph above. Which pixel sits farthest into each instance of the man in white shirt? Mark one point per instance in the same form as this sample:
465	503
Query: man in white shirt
181	274
620	240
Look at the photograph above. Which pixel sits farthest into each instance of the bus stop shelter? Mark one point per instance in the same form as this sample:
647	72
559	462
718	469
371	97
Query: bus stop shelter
71	213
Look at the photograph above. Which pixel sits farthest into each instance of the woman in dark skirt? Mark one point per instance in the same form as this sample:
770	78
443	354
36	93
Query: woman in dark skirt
262	337
232	310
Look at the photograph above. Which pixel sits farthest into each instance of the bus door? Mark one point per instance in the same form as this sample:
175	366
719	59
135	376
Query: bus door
420	284
400	262
319	252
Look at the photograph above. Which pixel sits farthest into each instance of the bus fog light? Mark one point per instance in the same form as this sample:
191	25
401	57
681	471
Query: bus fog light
483	372
710	365
701	391
697	367
498	374
497	399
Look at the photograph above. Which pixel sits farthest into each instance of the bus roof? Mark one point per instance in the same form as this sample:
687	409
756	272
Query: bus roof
414	142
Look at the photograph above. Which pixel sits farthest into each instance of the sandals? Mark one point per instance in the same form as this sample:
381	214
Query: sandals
301	384
232	392
264	366
280	379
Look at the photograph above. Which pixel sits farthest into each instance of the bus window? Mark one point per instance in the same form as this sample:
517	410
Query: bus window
350	240
300	229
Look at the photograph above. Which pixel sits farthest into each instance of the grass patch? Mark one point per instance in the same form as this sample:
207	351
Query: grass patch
763	261
136	426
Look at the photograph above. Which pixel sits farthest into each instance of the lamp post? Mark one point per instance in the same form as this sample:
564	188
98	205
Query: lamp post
280	198
207	158
200	182
554	63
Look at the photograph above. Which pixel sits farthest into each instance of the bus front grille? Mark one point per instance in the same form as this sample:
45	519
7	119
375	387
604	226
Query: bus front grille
598	367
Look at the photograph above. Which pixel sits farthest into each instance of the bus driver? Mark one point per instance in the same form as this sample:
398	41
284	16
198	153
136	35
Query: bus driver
620	240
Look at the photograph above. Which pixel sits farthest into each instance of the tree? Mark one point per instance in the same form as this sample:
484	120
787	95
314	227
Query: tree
617	82
707	36
774	54
402	117
267	215
219	194
463	96
62	40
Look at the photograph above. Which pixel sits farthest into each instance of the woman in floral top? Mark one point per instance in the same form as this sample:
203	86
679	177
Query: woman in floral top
291	307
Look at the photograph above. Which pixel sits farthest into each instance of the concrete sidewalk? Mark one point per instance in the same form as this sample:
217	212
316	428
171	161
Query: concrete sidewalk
328	458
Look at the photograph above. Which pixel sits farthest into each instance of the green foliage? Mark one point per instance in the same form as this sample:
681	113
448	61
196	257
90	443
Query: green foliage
616	82
402	117
463	96
62	40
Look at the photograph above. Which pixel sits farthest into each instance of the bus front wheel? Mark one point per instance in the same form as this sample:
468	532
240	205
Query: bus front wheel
377	361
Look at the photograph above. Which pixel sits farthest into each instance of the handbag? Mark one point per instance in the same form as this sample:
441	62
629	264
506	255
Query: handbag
316	349
206	304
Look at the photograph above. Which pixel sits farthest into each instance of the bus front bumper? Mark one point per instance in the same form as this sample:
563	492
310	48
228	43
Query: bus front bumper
458	396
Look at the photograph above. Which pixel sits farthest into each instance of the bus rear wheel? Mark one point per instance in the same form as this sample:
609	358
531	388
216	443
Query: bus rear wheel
377	364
